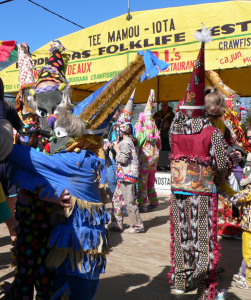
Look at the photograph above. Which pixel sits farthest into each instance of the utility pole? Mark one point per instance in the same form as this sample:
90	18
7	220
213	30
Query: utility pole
129	17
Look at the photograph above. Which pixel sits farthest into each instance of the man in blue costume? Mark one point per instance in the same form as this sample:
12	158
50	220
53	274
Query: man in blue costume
79	240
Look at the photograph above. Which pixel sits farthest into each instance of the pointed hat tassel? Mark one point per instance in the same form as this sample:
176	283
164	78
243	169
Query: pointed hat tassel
204	35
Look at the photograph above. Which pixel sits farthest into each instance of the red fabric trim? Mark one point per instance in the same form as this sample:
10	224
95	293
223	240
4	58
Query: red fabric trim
212	279
171	244
191	158
129	112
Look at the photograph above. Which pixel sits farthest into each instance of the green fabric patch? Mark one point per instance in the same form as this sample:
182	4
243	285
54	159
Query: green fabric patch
5	213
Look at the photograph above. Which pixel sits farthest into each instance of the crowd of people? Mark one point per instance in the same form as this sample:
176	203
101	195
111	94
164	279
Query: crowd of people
54	177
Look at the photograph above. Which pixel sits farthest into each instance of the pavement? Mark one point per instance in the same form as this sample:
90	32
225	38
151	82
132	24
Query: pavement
138	263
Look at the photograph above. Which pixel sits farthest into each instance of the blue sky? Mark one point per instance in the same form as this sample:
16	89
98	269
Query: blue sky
23	21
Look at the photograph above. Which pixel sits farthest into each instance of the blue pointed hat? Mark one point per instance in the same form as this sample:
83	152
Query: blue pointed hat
98	109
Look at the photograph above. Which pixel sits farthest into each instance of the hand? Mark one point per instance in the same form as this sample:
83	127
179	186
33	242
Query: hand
64	198
116	147
236	156
107	146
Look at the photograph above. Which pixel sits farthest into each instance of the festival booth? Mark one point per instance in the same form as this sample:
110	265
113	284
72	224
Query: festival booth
100	52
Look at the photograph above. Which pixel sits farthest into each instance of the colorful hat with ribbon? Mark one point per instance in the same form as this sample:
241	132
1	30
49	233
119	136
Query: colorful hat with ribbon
54	70
151	129
124	120
26	70
193	104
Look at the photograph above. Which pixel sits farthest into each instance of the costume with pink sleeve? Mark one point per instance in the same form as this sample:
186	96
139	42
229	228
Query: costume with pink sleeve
149	145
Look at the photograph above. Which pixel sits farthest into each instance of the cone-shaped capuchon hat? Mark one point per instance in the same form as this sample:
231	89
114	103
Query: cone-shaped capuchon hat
124	120
148	112
98	109
193	104
55	68
151	129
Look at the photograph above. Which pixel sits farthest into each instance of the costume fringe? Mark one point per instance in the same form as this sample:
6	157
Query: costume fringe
113	94
205	160
94	213
212	281
85	245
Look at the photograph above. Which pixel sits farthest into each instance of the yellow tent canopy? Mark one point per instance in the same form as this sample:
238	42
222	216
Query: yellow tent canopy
100	52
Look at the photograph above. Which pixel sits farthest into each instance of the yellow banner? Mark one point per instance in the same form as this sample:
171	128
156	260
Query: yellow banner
100	52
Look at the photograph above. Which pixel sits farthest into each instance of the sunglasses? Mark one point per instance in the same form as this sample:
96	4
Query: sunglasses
214	116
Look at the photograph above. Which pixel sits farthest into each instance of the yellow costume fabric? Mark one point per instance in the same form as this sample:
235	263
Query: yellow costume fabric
246	252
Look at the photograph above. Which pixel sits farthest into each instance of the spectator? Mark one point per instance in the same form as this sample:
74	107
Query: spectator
163	120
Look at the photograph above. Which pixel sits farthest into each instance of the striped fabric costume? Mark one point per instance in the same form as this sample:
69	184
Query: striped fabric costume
198	150
149	145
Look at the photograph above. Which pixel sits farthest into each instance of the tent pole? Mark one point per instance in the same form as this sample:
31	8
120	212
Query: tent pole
129	17
158	93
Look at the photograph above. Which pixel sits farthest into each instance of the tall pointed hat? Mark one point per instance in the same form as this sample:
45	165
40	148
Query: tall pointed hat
55	69
124	120
150	127
98	109
148	112
193	104
26	70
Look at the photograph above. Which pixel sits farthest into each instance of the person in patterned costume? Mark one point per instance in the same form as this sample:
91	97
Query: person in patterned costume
149	145
127	174
33	214
78	241
198	153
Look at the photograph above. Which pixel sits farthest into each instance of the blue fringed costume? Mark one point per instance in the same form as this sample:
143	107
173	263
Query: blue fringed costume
78	240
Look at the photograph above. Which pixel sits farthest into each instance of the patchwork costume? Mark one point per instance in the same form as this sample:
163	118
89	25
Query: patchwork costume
148	136
78	241
33	214
127	173
229	125
198	151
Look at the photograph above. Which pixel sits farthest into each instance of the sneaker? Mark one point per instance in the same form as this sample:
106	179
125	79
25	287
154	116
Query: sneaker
222	295
179	292
238	278
135	229
243	285
238	236
220	270
114	227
